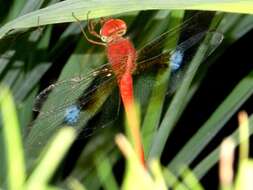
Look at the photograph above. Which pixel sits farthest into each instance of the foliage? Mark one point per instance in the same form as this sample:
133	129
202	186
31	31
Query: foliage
27	56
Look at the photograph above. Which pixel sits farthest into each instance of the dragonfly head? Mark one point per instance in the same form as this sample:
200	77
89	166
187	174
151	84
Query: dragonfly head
112	29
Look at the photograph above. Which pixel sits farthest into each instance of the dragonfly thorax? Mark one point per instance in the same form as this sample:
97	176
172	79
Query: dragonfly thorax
122	56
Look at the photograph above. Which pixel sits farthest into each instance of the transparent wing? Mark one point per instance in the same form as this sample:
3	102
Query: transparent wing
173	56
178	57
65	93
73	101
156	46
50	122
85	93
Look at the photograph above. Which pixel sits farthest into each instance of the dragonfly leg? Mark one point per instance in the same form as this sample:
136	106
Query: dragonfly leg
85	35
103	20
91	26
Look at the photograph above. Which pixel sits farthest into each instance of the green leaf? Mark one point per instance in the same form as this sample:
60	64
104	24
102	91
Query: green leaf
154	110
245	175
53	156
12	141
176	107
214	124
104	171
210	160
62	11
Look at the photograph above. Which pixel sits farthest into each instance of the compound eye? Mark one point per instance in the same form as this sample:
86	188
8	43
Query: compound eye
121	32
104	38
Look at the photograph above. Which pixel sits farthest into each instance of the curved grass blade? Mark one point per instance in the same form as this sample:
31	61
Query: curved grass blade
40	177
234	26
62	11
212	126
206	164
174	110
15	164
155	106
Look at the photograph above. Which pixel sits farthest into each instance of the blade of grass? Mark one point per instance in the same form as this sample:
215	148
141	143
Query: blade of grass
157	173
244	134
5	59
206	164
238	29
175	109
32	5
84	170
191	181
154	110
13	73
25	110
234	30
62	11
222	114
104	171
15	9
12	140
172	181
30	81
245	175
74	184
51	159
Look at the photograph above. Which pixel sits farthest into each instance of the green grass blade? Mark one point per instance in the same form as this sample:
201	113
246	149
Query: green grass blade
31	5
154	110
206	133
245	175
5	59
235	26
31	80
104	171
191	180
12	140
85	169
51	159
206	164
12	74
25	110
74	184
175	109
172	181
62	11
15	9
24	86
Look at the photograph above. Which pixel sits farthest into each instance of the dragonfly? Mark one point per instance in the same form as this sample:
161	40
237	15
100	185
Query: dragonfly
78	95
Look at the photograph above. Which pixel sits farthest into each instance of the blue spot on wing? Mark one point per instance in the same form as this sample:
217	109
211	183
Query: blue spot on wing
72	115
176	60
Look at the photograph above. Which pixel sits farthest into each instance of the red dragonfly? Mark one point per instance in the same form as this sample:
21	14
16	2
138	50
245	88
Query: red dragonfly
76	96
122	56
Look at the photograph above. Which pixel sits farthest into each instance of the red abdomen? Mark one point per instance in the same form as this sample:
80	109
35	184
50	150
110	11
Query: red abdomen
122	55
